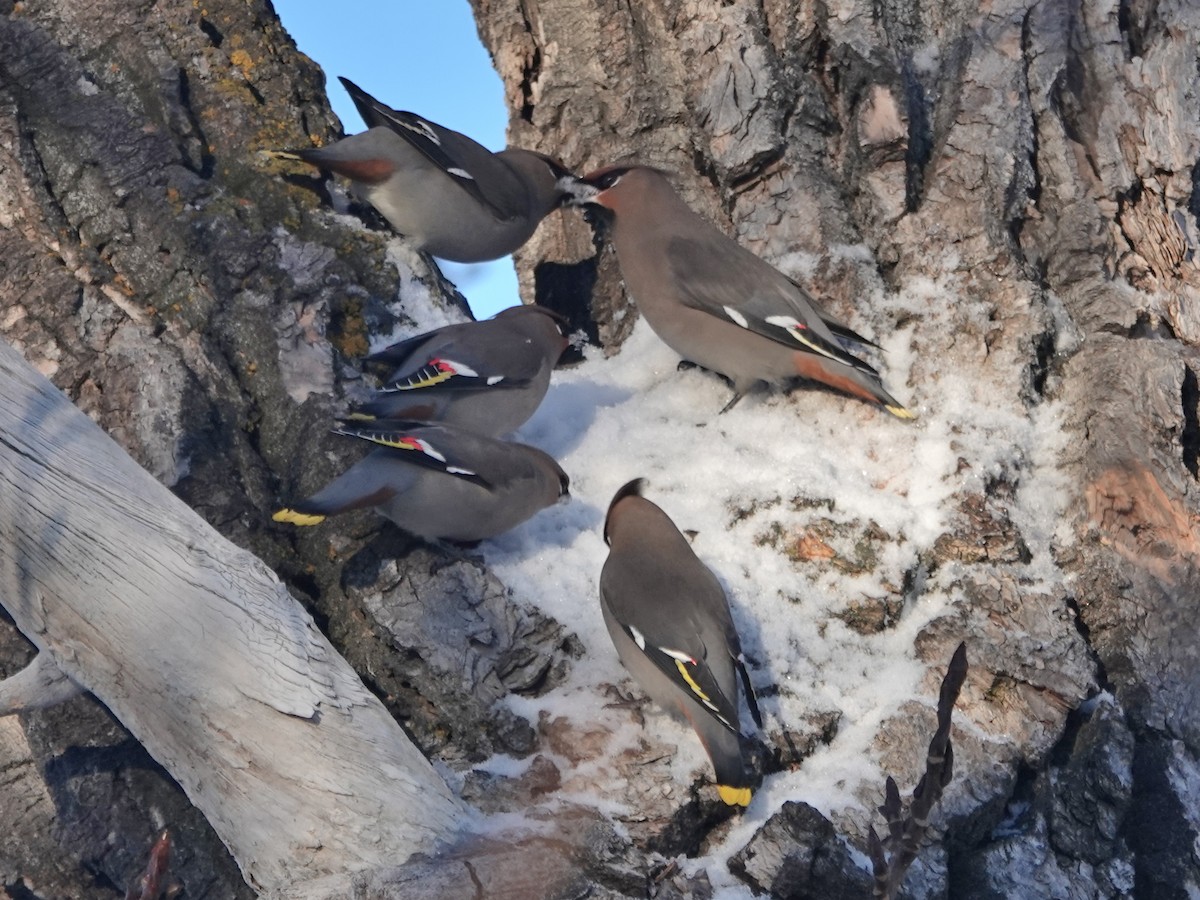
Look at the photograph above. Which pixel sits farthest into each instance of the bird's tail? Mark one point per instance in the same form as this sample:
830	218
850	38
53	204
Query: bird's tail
296	515
857	381
393	405
735	777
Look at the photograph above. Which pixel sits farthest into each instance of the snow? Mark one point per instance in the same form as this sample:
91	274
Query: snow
879	491
420	310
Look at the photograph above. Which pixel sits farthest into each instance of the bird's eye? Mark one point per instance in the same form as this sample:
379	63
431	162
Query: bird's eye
610	178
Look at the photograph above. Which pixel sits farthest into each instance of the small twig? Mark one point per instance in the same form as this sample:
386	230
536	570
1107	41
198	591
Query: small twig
905	832
150	884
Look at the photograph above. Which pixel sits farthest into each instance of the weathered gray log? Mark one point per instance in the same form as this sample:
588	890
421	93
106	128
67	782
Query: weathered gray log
201	652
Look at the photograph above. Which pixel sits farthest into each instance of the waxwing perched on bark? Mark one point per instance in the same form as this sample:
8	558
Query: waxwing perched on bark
451	196
438	482
669	619
488	376
716	303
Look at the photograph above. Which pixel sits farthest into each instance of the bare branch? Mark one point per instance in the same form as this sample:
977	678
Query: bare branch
150	884
40	685
905	832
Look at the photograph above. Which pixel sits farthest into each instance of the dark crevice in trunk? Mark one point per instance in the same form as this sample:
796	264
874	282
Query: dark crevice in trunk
689	826
1025	190
212	32
531	72
1085	632
754	170
1039	369
1135	28
1145	327
1157	827
208	163
703	165
966	839
559	287
1190	438
920	136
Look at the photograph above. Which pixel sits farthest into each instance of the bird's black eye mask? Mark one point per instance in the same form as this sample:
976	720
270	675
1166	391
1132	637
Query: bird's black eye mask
609	179
599	217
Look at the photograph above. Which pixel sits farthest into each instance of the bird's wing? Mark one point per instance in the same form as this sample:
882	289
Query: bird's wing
398	353
675	649
455	154
469	356
844	333
420	443
460	368
713	278
747	687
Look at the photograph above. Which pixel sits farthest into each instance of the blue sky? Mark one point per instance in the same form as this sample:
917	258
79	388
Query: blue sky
423	56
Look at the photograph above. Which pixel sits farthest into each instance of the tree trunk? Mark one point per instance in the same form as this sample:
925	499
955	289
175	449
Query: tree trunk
201	302
1003	195
1007	196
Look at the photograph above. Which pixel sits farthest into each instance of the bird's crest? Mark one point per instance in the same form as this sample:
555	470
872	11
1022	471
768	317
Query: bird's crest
629	489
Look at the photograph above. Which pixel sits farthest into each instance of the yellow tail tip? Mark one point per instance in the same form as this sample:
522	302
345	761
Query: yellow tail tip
900	412
357	416
734	796
297	518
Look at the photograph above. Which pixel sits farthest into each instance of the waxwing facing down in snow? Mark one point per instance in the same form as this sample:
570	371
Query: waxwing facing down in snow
438	482
452	197
716	303
669	619
488	376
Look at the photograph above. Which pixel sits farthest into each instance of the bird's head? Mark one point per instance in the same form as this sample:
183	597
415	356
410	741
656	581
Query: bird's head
629	489
604	187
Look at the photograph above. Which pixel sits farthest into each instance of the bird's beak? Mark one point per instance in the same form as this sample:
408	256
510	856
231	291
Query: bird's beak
576	191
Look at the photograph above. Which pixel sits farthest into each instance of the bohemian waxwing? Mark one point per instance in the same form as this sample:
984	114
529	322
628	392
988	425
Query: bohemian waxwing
451	196
670	621
488	376
438	482
716	303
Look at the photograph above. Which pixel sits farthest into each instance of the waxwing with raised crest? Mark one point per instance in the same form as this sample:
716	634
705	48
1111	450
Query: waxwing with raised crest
716	303
438	482
670	621
451	196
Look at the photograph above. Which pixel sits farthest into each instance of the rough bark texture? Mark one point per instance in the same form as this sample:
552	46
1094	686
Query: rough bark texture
204	305
1037	162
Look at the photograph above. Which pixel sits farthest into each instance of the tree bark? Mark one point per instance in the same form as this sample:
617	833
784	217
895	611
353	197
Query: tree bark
201	303
1030	170
1006	194
205	305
